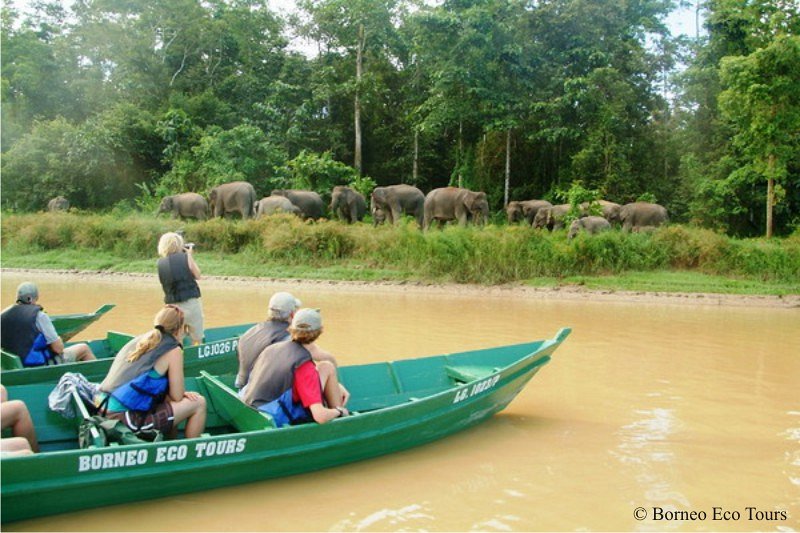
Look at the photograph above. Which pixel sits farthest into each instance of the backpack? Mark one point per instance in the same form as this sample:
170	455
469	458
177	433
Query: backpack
113	431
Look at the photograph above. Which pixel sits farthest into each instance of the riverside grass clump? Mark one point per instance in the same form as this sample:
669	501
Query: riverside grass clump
486	255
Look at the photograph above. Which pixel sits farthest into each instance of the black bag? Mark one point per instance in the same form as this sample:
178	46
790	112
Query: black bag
110	431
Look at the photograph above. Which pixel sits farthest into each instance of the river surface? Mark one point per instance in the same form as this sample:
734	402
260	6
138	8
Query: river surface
669	408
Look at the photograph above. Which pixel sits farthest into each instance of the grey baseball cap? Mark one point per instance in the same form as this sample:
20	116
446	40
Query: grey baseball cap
307	319
284	302
27	292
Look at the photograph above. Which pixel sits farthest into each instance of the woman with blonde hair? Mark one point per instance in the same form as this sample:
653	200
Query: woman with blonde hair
145	386
178	273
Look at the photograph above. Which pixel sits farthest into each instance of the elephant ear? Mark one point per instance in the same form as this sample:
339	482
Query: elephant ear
476	198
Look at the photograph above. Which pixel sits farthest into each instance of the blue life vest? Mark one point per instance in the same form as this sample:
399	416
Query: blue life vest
40	353
143	392
285	411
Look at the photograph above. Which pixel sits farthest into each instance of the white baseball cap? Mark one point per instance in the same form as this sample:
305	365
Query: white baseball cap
284	303
307	319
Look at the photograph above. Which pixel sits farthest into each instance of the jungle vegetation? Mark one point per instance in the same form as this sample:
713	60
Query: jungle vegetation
115	103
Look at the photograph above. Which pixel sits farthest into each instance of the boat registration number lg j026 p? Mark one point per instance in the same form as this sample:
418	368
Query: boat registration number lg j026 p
477	388
214	349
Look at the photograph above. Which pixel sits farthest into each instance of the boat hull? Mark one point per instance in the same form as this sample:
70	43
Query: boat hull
217	356
66	481
67	326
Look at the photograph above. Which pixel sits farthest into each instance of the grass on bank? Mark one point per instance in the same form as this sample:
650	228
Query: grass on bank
674	258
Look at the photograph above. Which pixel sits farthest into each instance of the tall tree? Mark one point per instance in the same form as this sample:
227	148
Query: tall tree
763	102
357	27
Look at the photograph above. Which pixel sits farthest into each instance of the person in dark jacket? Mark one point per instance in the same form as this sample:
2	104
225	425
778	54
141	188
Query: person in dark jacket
145	387
275	328
178	273
289	385
28	332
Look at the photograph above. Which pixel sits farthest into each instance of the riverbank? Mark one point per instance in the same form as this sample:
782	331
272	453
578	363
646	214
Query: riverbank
516	291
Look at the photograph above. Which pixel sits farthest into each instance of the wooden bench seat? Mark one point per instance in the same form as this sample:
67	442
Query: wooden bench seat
466	374
231	408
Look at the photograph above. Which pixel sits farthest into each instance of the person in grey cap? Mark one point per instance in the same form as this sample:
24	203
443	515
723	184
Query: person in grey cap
275	328
29	333
289	385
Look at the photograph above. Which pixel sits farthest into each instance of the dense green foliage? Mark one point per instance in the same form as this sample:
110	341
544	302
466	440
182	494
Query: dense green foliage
115	102
491	254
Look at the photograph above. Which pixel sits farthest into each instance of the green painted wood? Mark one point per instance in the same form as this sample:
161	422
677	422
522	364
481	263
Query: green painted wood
67	326
227	404
217	355
64	479
10	361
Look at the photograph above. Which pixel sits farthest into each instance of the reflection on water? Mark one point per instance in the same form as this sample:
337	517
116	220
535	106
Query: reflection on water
675	406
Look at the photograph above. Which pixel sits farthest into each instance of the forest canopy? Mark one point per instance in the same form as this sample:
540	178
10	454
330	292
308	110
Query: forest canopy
115	103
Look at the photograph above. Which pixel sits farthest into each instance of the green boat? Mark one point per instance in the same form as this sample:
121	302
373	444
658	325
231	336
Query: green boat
67	326
216	355
395	405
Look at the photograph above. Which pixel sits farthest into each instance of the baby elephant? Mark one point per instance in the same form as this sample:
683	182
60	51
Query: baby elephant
59	203
590	225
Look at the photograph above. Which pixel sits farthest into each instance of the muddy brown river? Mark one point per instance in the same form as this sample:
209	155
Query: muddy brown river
651	416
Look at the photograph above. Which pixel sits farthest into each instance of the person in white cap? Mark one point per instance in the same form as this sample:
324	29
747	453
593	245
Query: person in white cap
289	385
275	328
29	333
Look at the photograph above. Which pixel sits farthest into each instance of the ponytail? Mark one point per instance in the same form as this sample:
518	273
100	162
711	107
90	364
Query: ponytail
168	321
145	344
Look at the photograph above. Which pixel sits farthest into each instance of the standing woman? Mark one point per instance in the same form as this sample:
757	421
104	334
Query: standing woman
178	273
145	386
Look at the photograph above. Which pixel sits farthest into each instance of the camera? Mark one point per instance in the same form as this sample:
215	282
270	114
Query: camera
189	246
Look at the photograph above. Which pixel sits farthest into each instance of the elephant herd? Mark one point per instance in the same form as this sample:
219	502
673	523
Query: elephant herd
636	216
389	204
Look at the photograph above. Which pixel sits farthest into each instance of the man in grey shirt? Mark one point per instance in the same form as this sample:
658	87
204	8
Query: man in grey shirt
282	307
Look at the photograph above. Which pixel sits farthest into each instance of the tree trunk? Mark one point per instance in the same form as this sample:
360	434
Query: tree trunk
415	169
508	167
357	118
770	193
460	149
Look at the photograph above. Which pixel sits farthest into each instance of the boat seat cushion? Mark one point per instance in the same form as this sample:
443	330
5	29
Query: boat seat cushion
231	408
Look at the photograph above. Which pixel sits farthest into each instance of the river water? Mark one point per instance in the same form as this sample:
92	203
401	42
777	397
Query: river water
647	413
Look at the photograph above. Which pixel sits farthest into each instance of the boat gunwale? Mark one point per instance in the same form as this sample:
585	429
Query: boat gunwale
330	437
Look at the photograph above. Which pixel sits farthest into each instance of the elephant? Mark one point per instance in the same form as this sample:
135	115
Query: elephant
310	203
378	216
394	201
452	203
526	210
347	204
609	210
185	205
638	215
551	218
270	205
234	197
59	203
590	224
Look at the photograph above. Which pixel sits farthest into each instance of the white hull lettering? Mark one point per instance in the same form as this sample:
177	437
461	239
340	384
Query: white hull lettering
477	388
223	447
163	454
106	460
172	453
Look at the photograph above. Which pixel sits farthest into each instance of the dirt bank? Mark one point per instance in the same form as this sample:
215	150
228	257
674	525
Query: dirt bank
500	291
